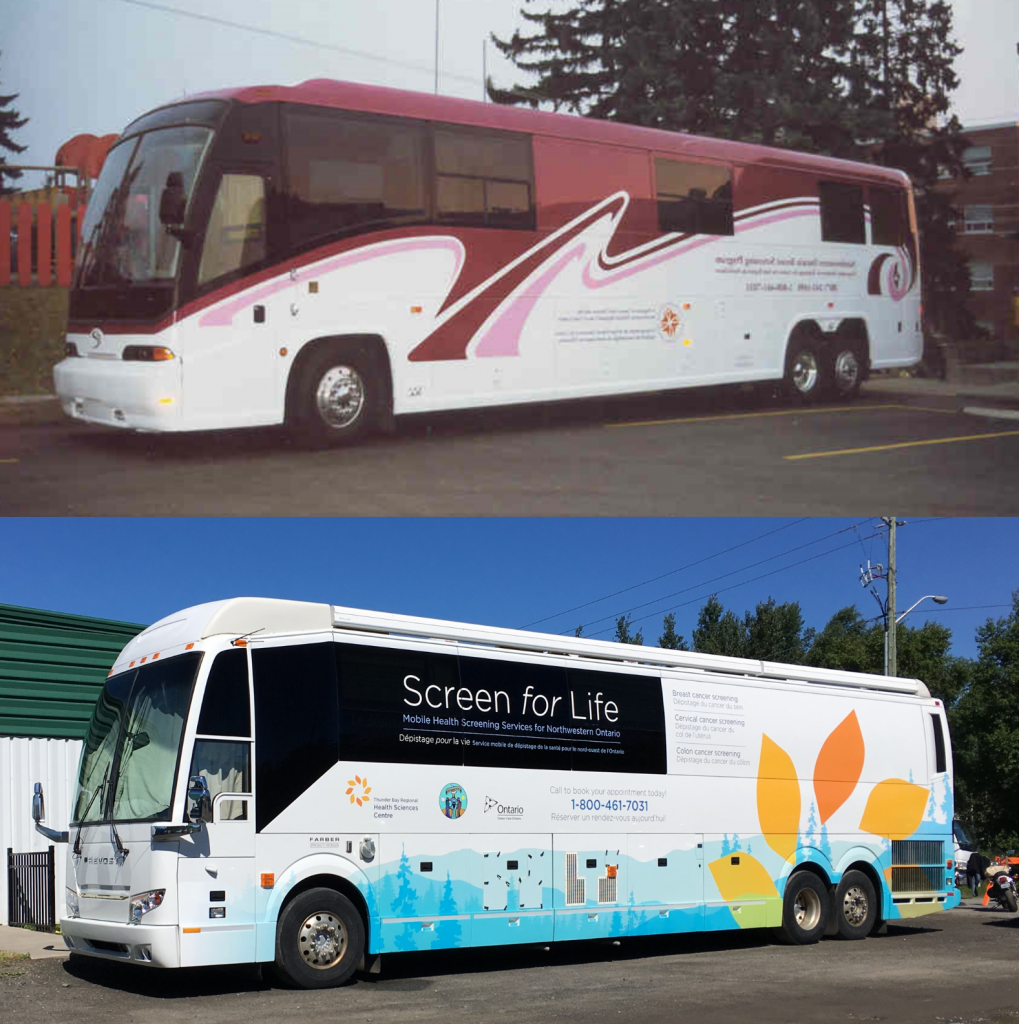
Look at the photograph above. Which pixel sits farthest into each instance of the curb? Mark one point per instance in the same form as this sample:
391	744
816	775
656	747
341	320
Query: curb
30	410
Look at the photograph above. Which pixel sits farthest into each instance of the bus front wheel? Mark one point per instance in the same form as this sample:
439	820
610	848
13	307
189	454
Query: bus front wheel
336	398
319	939
804	909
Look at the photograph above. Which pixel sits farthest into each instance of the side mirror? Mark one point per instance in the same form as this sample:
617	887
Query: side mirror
198	792
173	201
38	807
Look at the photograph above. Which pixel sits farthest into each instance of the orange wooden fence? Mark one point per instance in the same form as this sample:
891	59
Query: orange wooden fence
37	248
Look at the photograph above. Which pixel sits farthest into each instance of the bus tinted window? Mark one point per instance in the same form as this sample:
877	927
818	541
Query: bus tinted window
841	212
483	180
225	710
236	236
296	721
889	219
347	174
693	198
395	706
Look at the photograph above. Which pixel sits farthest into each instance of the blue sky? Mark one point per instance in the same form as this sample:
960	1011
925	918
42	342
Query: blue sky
94	67
512	572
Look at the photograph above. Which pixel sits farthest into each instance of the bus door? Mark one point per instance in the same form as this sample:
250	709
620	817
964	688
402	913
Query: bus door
232	359
216	866
514	874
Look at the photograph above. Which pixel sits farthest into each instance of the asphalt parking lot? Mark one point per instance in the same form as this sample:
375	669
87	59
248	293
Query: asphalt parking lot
959	966
703	453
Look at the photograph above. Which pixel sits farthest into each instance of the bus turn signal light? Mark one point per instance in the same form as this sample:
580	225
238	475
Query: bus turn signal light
268	879
146	353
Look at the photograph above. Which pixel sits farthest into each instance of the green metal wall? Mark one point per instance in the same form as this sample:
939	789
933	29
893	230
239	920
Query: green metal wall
52	667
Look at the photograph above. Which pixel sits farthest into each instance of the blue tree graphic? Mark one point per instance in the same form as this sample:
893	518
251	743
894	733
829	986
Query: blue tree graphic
405	904
450	933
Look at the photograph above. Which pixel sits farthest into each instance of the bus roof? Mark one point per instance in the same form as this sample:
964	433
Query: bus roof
374	99
265	617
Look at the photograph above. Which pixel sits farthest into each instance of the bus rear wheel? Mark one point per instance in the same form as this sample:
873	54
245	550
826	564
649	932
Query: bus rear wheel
846	373
805	368
804	909
336	398
319	940
855	906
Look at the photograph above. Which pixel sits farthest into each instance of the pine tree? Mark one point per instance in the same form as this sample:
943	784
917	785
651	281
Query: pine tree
718	631
623	635
449	932
10	120
670	639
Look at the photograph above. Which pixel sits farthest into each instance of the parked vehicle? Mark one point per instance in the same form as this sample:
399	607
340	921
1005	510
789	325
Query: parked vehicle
1002	887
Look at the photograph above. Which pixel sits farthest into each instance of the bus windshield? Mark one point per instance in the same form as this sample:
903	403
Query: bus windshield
133	741
123	241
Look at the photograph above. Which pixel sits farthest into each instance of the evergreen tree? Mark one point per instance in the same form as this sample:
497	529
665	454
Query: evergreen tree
405	903
449	932
718	631
623	634
10	120
579	631
670	639
774	632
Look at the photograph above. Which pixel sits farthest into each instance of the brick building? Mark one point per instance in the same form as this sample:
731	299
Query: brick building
988	227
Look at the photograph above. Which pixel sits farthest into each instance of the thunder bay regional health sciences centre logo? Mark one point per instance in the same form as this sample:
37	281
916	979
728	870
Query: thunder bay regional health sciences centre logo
453	801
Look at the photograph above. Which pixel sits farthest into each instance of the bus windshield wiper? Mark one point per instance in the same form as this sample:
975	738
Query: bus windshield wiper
81	821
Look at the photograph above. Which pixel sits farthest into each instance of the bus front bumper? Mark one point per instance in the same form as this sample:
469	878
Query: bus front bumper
114	393
153	944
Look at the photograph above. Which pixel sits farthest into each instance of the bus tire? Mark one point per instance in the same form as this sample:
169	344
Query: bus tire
805	367
319	939
846	370
856	907
804	909
336	399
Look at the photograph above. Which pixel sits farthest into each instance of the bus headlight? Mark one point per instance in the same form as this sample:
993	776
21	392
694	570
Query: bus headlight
71	898
144	902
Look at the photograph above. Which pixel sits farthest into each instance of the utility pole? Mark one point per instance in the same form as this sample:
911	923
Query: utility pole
891	666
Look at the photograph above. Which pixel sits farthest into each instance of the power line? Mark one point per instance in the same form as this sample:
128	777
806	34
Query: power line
744	568
301	40
671	572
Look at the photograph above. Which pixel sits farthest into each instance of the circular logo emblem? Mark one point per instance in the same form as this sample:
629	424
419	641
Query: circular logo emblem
453	800
669	322
97	337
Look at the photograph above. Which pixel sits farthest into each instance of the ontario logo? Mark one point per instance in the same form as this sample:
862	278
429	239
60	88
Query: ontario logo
503	810
453	800
355	784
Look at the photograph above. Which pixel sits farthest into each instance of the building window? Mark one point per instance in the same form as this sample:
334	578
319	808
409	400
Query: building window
977	159
841	212
978	220
981	277
694	199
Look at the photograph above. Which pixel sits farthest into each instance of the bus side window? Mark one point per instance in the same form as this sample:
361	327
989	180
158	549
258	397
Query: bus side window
841	212
694	199
940	757
226	767
225	706
236	235
889	217
483	180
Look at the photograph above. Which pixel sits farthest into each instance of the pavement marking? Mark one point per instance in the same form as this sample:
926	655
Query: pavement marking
1000	414
10	460
775	412
900	444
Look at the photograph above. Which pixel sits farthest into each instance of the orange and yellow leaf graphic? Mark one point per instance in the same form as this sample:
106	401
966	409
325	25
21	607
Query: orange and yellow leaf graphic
839	766
894	809
778	799
746	880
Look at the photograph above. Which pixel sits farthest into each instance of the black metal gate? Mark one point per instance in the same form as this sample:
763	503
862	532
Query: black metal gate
31	890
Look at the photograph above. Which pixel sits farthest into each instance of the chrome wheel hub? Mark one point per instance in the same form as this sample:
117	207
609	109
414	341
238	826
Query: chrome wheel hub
847	370
806	371
322	941
340	396
854	906
807	909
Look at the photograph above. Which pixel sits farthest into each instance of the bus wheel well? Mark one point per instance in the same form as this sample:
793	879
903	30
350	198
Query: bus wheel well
814	869
340	885
368	346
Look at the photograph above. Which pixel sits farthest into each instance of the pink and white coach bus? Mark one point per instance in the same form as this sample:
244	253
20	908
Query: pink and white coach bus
332	255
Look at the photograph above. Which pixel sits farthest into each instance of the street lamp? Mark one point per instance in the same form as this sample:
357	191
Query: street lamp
890	669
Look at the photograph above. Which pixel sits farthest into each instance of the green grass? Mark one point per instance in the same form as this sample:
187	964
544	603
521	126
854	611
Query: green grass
7	962
32	326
